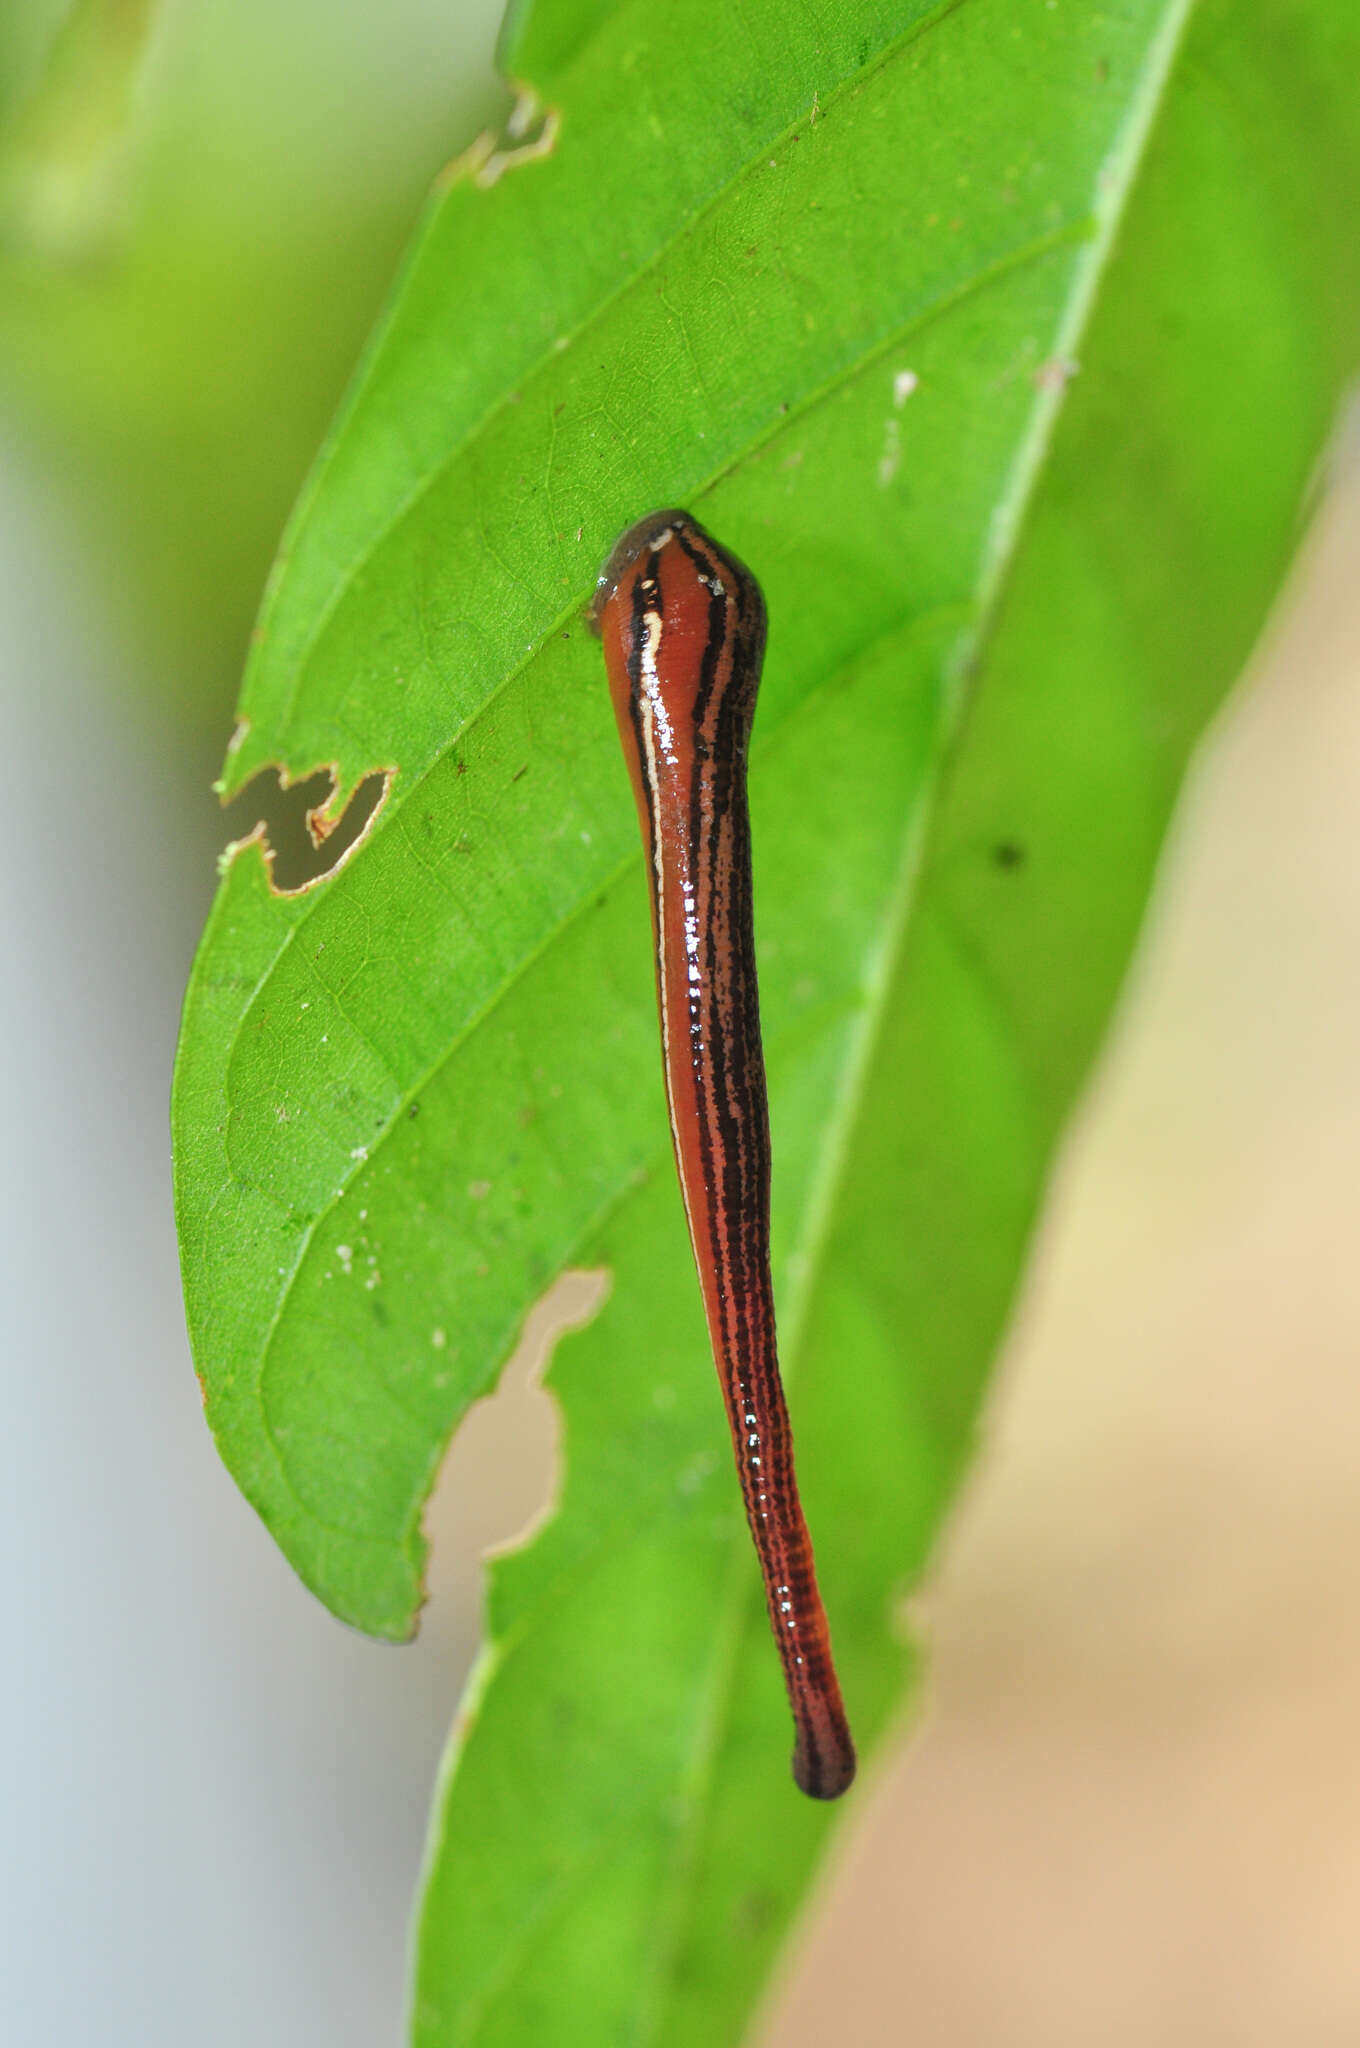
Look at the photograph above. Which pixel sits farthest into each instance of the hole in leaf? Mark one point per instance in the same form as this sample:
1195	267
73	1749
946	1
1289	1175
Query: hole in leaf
291	822
502	1474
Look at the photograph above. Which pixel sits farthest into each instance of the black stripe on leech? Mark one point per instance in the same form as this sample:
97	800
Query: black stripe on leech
722	988
736	1107
718	606
726	1259
745	1090
736	1102
739	1097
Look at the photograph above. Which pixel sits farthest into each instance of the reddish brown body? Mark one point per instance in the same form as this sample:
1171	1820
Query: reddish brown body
683	627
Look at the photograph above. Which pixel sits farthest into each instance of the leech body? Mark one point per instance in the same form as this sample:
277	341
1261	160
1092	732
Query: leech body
683	627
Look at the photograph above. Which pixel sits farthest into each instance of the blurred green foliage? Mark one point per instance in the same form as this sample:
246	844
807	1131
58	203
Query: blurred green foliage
200	210
63	146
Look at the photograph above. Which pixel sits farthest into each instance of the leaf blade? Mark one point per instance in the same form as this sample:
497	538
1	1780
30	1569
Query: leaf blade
612	1910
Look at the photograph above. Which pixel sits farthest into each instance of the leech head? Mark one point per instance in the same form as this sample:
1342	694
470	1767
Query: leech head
645	536
672	605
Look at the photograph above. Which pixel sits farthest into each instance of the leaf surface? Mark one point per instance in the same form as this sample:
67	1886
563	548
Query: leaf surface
1000	339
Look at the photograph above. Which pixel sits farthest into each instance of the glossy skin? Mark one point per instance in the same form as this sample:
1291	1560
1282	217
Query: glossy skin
683	628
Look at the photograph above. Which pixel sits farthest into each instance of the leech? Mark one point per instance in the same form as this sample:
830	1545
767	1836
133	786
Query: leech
683	627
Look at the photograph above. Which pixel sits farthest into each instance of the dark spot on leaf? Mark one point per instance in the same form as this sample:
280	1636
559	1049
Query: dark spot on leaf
414	1111
520	771
753	1914
1008	853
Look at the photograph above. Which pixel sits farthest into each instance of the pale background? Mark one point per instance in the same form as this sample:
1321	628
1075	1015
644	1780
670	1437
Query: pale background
1130	1812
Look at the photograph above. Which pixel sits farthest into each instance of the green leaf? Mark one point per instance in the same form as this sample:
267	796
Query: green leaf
539	42
1000	339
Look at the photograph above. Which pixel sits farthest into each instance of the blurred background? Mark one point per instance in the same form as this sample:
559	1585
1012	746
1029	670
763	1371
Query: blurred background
1131	1807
